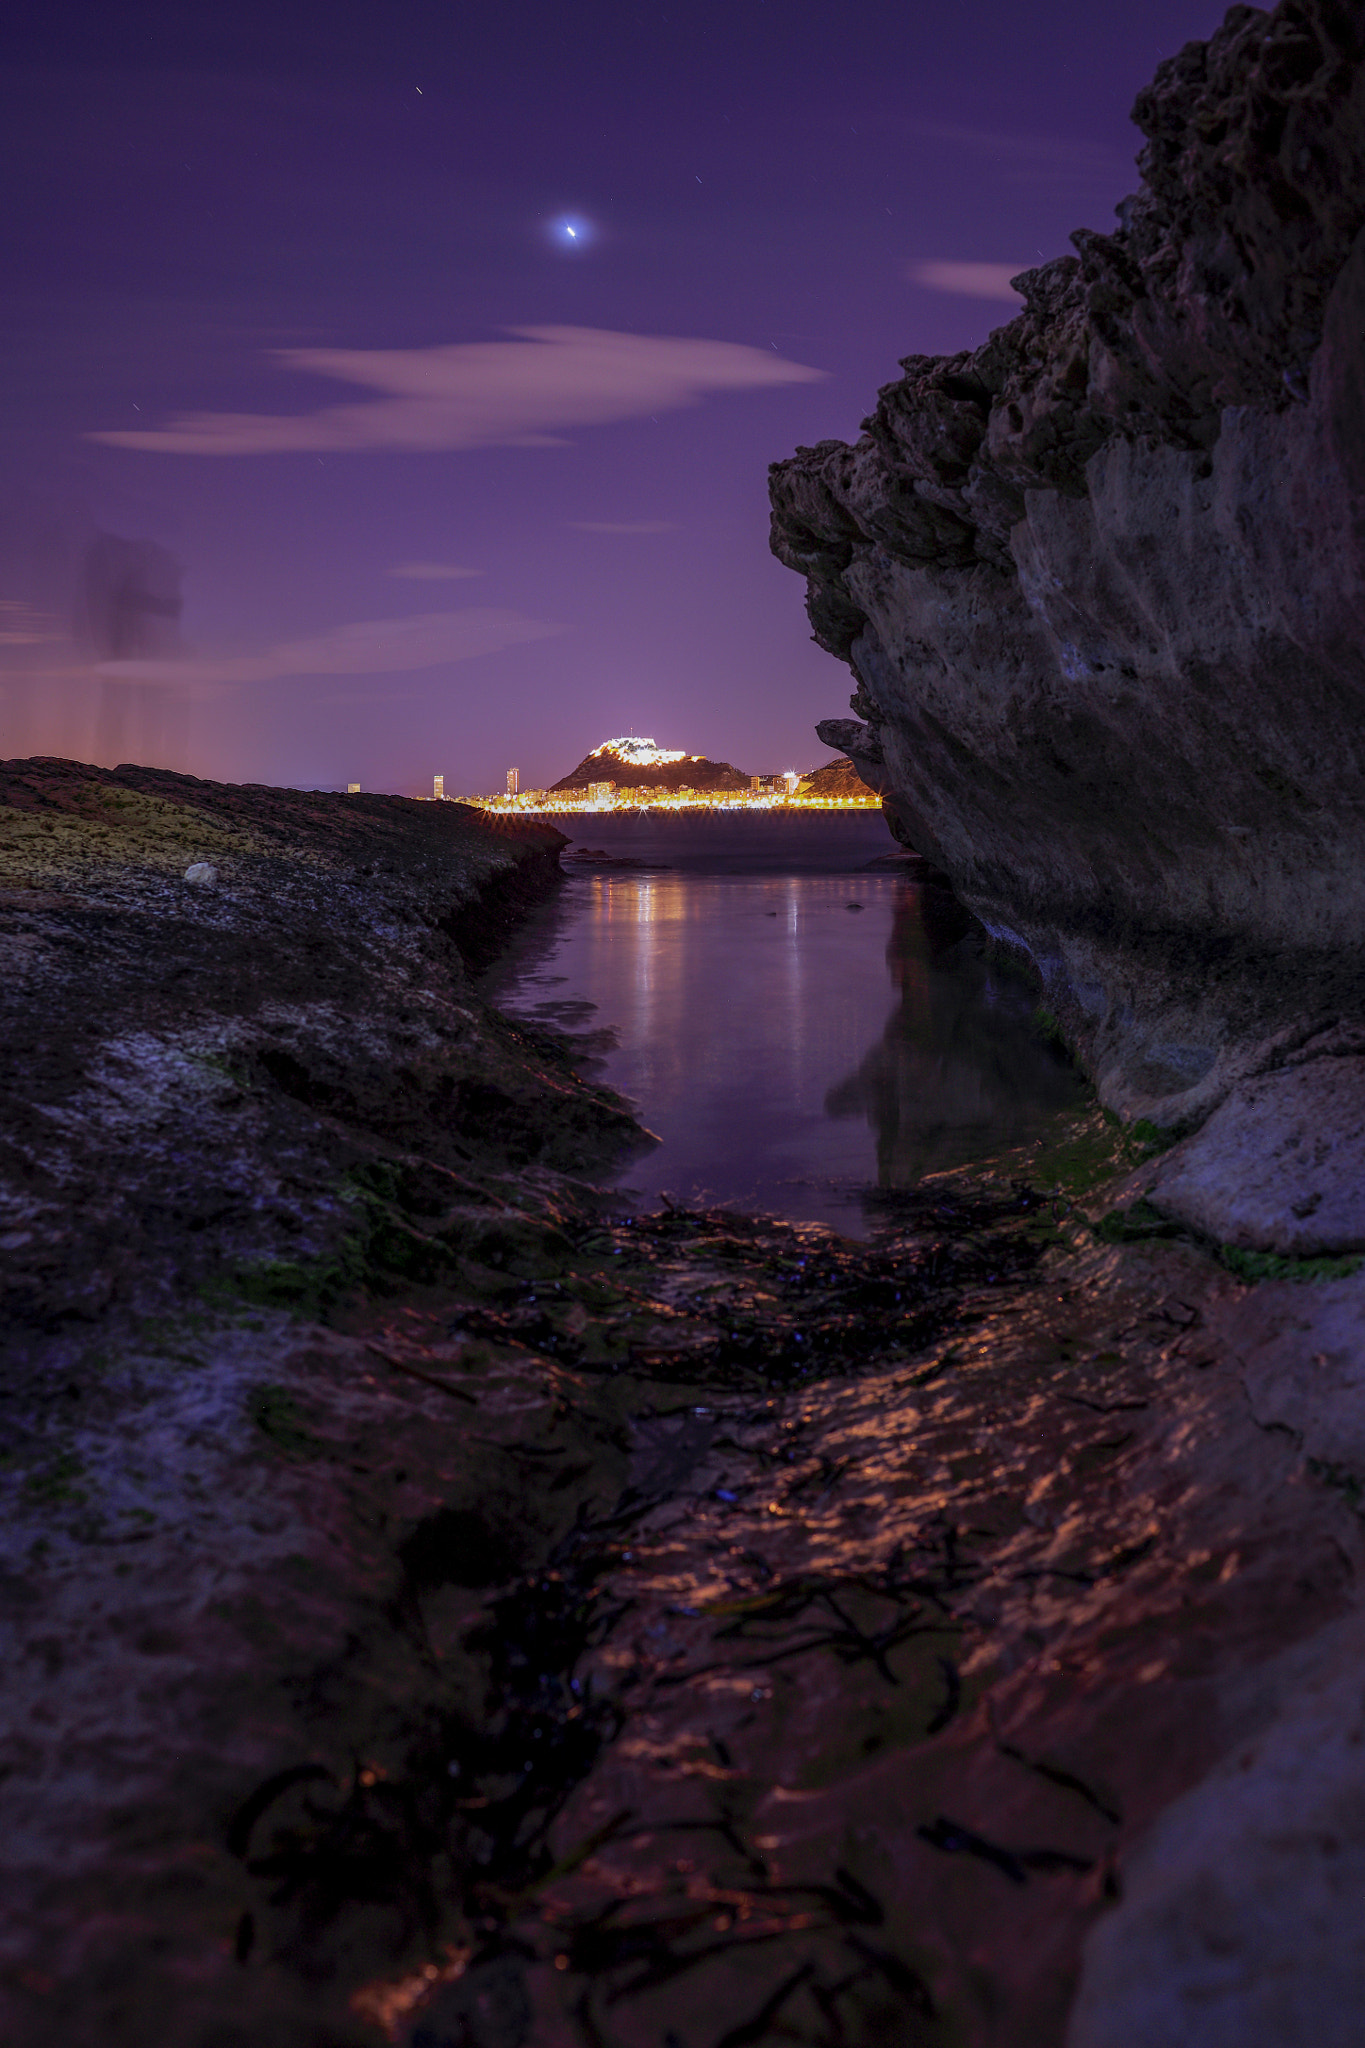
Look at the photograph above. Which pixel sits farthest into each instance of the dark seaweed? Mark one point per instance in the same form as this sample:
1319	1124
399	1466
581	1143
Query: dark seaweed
463	1827
1015	1864
952	1697
489	1790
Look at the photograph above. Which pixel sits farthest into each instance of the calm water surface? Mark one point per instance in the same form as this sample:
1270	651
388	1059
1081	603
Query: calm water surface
793	1040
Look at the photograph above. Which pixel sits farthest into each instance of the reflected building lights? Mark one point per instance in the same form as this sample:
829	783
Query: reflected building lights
796	1037
786	1053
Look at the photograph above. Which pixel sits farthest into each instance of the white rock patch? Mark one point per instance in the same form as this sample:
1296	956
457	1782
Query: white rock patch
1279	1166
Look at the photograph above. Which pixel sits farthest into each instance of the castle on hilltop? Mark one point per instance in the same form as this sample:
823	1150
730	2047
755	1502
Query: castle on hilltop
636	763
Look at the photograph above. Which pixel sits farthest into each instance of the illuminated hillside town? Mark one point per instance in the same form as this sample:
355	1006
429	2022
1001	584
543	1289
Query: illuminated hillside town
634	774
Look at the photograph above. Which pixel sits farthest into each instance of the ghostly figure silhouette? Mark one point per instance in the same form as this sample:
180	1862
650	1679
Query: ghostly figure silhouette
132	606
132	598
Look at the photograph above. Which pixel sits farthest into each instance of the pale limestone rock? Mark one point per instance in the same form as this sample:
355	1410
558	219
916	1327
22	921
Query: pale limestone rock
1241	1909
1303	1366
1279	1167
201	874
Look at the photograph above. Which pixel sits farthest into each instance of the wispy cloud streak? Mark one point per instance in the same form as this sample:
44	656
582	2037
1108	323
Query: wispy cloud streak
524	392
367	647
971	280
624	525
433	572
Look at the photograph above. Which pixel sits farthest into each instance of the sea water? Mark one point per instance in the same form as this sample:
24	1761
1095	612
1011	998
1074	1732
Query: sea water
795	1041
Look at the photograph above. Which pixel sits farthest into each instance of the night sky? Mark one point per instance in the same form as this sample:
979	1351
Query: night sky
295	324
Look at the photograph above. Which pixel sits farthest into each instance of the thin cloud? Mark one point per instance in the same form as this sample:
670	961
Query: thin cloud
433	572
971	280
624	525
23	625
520	393
1062	163
368	647
1072	151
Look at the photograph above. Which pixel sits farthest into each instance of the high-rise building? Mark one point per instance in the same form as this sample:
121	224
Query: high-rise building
512	783
438	785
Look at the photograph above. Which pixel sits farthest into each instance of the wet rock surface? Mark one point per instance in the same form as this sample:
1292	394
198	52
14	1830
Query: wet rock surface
917	1660
439	1611
1100	583
1277	1167
201	1078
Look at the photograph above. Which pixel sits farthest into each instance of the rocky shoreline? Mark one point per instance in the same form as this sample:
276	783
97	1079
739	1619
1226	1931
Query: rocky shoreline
247	1084
442	1611
1101	584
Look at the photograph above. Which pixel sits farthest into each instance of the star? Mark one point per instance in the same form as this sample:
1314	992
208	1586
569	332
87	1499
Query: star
571	231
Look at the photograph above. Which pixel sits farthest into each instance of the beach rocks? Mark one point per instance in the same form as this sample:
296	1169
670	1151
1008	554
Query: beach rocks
1279	1166
1238	1900
1101	582
436	1612
231	1121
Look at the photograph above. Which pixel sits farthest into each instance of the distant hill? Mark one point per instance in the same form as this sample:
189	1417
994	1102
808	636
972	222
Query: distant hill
836	778
639	764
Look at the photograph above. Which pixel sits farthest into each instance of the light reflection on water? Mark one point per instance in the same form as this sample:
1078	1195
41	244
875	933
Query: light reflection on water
788	1050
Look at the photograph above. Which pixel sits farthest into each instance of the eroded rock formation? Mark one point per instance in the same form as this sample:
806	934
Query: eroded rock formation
1102	585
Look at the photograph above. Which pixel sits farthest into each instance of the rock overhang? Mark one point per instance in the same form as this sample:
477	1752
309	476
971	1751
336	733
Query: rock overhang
1101	584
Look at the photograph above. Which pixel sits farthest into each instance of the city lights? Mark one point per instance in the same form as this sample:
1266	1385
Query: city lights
614	797
789	790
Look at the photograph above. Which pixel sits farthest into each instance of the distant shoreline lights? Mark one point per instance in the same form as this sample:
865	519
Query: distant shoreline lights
765	792
548	803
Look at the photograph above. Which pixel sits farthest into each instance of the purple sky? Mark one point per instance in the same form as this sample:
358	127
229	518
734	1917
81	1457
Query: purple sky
298	250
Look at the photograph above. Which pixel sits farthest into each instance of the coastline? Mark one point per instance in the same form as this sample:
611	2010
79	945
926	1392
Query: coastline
792	841
430	1595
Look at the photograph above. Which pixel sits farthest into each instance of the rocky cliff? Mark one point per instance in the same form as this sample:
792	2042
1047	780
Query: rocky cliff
1101	583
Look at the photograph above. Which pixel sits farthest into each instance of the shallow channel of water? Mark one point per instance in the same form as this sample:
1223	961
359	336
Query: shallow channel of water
794	1040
